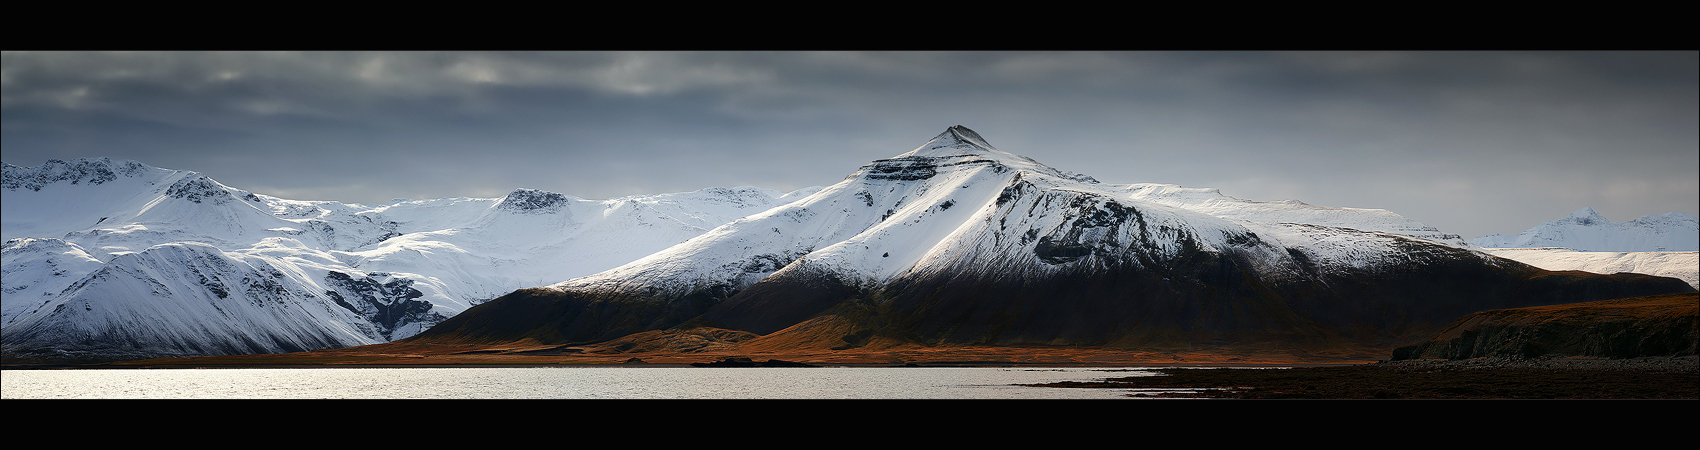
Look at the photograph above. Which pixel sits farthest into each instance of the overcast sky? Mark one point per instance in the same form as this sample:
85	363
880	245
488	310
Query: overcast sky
1474	143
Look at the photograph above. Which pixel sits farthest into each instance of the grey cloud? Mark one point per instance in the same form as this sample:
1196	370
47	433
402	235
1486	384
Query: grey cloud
1473	142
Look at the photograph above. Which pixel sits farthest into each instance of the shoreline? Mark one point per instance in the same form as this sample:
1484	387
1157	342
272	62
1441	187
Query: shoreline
1483	378
1660	364
522	354
583	365
1551	378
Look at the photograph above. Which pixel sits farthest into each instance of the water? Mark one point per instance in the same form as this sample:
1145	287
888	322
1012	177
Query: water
561	383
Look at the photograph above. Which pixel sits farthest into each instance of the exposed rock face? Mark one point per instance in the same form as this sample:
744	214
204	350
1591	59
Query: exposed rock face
533	201
1660	325
389	305
200	188
739	361
87	171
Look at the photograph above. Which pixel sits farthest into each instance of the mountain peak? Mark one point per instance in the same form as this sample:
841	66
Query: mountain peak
957	146
1588	216
962	135
954	141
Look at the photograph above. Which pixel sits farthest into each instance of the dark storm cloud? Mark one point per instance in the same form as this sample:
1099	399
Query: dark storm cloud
1471	142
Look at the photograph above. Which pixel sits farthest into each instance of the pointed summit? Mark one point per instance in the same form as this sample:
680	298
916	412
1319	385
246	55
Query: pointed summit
958	136
954	141
1588	216
958	146
965	133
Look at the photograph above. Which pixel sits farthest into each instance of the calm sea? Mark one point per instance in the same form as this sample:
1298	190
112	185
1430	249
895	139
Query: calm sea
561	383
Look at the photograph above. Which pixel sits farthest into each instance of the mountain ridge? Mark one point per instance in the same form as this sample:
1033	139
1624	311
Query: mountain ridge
953	244
80	231
1658	244
1588	230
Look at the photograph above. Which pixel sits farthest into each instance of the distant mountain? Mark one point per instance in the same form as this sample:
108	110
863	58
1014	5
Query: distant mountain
1656	244
1684	266
958	242
117	259
1586	230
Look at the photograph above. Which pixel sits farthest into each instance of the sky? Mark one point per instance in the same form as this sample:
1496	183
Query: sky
1473	143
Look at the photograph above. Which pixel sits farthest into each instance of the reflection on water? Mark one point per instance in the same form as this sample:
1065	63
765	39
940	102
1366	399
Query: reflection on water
562	383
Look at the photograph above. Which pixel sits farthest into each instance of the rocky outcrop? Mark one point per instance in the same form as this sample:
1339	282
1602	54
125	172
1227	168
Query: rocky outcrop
739	361
1659	325
532	201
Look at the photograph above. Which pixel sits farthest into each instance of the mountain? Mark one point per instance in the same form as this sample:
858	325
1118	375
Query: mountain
1656	244
1684	266
119	260
1586	230
959	243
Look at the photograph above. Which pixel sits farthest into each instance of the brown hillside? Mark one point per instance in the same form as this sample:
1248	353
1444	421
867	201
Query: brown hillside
1659	325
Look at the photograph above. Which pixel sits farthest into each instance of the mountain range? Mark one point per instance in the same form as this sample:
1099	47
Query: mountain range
117	259
1656	244
959	243
1588	231
954	242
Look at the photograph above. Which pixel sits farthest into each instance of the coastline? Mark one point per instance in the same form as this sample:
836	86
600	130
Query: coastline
1482	378
527	355
571	365
1643	378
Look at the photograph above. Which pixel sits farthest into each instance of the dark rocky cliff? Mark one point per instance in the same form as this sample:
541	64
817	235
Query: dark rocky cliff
1659	325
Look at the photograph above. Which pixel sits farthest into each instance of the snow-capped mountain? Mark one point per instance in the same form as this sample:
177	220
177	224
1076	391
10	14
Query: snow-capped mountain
959	242
900	215
1586	230
1684	266
117	259
953	242
1657	244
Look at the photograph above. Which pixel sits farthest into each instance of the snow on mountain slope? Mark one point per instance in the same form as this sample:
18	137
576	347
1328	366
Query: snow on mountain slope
920	208
531	238
34	271
119	207
58	200
187	299
1680	265
940	238
1213	202
91	231
1586	230
1654	244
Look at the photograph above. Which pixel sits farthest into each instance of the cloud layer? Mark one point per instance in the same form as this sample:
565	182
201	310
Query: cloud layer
1472	142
